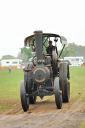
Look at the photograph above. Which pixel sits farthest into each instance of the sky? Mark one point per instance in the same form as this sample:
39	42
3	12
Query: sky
20	18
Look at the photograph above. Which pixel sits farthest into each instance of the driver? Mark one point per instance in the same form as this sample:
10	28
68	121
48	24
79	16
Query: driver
49	48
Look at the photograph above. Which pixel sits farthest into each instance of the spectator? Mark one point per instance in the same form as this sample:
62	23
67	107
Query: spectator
9	69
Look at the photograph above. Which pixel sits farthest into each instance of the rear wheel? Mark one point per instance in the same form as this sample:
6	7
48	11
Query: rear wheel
64	78
26	73
66	89
24	96
58	93
32	99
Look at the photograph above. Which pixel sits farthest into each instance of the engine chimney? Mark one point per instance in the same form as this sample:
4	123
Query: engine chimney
39	48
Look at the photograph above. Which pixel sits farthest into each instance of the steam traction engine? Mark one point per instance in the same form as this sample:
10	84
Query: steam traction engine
46	75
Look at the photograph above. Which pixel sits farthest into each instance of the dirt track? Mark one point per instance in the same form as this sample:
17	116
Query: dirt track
44	114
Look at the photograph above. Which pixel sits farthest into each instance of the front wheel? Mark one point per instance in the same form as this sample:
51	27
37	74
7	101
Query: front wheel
24	96
32	99
58	93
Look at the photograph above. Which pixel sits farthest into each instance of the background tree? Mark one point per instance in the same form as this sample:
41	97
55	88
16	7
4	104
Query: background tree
66	52
73	50
8	57
22	57
26	53
79	50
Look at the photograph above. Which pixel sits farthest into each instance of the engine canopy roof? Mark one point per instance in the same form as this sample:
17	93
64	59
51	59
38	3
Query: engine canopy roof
31	38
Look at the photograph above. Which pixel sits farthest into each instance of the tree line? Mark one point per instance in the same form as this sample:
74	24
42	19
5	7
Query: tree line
71	49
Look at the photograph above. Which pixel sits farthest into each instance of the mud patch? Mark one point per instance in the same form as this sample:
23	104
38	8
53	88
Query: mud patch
45	114
51	120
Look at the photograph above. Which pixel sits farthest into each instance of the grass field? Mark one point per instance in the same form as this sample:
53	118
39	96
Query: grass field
77	78
10	86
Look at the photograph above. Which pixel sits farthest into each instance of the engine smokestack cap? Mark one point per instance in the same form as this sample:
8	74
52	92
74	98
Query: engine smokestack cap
38	32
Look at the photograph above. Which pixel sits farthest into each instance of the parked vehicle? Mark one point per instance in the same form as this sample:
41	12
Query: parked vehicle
74	61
